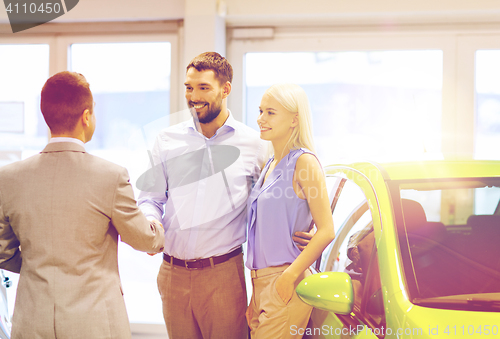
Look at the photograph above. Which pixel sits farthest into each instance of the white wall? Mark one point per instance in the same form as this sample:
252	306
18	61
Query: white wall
343	10
125	10
118	10
266	12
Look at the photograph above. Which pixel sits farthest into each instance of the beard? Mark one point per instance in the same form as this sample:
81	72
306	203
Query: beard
213	109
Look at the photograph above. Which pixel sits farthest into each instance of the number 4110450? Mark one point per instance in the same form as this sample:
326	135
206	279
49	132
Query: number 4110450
33	8
471	330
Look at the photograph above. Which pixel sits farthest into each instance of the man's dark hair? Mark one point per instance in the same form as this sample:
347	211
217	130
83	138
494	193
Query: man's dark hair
65	96
215	62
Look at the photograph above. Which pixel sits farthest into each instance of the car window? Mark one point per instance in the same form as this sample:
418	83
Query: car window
348	255
451	232
350	206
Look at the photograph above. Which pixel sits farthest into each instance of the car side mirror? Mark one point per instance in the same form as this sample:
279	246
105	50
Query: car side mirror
329	291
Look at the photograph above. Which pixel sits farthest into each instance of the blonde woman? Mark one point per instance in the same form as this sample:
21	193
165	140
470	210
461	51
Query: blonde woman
290	190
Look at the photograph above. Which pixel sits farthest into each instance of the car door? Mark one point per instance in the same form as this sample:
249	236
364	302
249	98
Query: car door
353	251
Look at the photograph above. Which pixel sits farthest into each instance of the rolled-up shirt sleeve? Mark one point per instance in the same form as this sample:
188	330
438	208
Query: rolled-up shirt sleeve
153	185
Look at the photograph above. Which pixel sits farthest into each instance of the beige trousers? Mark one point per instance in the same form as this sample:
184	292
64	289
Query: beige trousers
270	316
204	303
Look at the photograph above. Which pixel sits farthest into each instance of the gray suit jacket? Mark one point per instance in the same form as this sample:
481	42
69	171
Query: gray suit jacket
65	209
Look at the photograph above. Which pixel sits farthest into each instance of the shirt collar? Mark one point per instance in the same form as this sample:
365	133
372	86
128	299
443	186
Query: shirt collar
229	124
230	121
66	139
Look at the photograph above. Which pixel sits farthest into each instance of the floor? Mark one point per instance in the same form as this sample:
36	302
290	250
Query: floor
149	336
148	331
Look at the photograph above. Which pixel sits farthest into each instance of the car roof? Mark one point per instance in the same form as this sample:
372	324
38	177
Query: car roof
436	169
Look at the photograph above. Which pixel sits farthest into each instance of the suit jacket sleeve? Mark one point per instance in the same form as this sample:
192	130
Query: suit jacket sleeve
10	253
134	228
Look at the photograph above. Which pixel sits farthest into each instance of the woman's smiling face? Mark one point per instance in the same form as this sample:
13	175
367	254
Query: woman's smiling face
275	121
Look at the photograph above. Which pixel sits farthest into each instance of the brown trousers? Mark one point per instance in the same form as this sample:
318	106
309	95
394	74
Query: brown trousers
204	303
270	316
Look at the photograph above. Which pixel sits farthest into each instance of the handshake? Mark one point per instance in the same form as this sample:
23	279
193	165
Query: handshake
156	225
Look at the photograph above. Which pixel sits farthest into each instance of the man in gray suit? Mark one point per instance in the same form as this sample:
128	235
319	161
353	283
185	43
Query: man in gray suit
61	212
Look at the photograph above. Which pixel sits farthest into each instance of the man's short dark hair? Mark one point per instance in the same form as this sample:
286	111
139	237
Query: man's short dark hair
215	62
65	96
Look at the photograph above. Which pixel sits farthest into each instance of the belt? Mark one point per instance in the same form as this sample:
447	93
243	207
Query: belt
201	263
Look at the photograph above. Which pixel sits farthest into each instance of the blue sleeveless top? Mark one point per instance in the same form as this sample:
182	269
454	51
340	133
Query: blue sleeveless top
275	213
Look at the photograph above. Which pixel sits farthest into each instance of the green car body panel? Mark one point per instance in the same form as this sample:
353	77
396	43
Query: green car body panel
403	319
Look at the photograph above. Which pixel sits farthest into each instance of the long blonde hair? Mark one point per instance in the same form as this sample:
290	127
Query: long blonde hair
294	99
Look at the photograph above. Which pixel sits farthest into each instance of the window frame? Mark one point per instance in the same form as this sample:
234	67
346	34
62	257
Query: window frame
61	39
467	46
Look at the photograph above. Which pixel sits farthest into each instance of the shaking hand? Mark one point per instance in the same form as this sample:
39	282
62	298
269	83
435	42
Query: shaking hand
159	228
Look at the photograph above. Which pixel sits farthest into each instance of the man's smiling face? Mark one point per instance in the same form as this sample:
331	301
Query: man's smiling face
204	94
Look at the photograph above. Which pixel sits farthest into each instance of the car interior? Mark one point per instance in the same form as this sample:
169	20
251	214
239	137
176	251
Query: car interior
447	263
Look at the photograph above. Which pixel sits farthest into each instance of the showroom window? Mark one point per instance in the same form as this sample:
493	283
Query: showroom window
23	70
377	105
131	87
487	86
130	77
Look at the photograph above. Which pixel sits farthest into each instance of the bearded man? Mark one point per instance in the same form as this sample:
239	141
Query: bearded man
206	167
201	175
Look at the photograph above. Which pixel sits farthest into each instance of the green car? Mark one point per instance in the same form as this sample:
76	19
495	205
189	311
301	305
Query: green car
416	253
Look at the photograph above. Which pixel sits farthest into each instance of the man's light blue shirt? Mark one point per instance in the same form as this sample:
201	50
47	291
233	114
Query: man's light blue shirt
198	187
